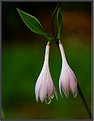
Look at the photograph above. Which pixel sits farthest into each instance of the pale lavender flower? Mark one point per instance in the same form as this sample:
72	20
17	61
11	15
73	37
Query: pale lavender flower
44	88
67	80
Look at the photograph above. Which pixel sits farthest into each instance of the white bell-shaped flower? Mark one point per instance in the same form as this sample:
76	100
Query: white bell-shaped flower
67	80
44	88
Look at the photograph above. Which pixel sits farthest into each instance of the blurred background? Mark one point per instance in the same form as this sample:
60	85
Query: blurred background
23	56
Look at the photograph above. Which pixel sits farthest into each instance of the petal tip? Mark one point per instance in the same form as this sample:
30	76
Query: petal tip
75	95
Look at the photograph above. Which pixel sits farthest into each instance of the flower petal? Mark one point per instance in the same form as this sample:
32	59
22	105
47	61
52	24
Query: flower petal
44	88
67	79
73	83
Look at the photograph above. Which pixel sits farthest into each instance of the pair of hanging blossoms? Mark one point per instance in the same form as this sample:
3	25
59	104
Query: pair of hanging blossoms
44	88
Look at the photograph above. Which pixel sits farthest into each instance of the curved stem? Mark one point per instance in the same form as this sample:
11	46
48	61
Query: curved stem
84	101
52	19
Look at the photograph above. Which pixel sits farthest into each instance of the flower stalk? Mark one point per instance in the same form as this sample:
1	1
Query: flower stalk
52	19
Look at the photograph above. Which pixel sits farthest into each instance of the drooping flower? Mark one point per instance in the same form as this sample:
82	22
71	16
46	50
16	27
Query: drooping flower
44	88
67	80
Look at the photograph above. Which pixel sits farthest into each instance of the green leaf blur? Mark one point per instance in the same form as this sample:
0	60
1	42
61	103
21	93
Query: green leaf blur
21	67
23	57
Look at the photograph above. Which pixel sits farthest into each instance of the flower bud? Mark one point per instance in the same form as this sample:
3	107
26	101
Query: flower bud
67	80
44	88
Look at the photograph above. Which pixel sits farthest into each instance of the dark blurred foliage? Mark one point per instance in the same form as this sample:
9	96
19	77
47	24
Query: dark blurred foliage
23	54
13	25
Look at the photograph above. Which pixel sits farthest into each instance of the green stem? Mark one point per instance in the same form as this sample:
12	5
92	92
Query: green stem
52	19
84	101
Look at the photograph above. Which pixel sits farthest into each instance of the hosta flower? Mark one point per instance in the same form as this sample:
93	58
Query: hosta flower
44	88
67	80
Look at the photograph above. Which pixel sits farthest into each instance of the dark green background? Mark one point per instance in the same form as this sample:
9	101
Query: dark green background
23	56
